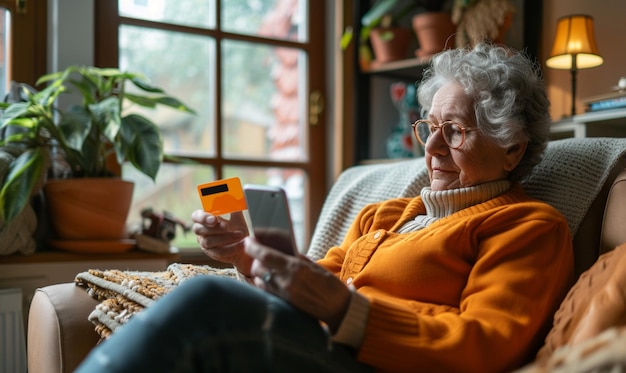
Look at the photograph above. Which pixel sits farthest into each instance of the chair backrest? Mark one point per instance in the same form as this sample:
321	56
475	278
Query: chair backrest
575	176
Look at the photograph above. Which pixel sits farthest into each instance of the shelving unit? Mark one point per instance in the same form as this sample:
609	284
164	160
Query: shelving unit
402	68
603	123
365	131
373	115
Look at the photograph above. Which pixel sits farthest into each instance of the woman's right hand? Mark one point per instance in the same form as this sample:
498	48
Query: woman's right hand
223	240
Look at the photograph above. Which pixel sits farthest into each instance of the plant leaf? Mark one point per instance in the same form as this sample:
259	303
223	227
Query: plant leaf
25	123
144	145
88	89
24	174
373	16
19	136
107	116
174	103
75	126
152	102
108	72
57	77
145	86
13	111
346	37
144	101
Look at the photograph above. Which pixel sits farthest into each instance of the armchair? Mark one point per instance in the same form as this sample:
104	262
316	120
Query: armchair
584	178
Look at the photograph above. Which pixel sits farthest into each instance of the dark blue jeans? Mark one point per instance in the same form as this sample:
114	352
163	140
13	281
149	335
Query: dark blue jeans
215	324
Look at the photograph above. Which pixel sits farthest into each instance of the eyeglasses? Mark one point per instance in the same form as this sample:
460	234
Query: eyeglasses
453	133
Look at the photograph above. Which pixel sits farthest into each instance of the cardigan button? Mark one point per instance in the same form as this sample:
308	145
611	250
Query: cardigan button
349	281
377	235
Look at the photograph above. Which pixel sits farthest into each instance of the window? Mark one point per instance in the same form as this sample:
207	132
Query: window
248	68
22	42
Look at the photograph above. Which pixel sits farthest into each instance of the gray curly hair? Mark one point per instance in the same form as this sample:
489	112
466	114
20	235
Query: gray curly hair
510	102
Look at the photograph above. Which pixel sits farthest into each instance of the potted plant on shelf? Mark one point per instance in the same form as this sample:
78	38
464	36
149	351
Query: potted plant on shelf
433	27
478	20
380	27
389	41
80	145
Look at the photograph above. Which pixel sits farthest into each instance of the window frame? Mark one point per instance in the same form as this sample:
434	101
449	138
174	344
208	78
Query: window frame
106	29
28	40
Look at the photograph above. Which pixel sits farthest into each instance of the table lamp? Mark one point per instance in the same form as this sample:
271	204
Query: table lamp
574	48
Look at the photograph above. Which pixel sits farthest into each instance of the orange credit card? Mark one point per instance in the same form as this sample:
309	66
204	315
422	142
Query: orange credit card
222	196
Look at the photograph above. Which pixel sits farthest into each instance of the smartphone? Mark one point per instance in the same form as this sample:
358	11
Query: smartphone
271	222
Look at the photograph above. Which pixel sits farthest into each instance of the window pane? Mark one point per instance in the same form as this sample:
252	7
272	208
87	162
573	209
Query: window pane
291	179
174	191
5	45
263	101
276	19
183	65
199	13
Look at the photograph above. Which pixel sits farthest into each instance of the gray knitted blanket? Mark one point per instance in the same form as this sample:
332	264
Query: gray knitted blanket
569	177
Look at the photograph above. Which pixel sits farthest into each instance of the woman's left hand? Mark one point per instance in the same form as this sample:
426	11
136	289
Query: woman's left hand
301	282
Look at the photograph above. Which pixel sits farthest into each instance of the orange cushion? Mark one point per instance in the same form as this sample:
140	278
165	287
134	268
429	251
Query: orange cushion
595	303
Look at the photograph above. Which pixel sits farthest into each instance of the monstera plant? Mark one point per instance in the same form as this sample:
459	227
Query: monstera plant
86	136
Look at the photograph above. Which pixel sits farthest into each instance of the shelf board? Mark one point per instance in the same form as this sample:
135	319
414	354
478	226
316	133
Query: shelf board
407	68
601	116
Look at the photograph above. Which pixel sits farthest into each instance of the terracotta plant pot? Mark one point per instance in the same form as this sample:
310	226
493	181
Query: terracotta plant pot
390	44
88	209
435	32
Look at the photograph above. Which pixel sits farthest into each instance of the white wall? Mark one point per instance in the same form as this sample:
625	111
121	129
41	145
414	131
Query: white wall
70	33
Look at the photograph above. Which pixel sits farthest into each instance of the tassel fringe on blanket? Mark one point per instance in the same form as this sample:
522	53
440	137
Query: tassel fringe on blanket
125	293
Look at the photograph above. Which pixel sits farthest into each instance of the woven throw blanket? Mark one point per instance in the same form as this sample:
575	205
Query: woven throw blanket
569	177
124	293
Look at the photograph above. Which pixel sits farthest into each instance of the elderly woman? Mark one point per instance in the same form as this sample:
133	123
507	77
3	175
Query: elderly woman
463	278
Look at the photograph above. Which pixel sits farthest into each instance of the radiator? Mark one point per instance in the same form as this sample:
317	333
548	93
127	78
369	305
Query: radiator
12	339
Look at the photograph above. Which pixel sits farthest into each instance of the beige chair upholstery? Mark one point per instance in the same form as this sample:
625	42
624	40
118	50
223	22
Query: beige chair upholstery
59	334
614	218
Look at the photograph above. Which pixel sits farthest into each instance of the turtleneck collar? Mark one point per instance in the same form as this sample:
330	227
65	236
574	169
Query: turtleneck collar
442	203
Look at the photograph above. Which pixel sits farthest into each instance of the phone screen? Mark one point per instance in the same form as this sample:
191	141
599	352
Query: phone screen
270	218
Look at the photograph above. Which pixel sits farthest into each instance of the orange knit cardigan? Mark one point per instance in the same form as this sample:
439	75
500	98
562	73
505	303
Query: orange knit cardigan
472	292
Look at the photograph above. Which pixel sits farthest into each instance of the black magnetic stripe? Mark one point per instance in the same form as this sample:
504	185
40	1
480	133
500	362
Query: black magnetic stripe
214	189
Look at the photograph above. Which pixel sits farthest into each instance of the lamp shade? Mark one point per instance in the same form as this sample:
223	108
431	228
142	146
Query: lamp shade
575	44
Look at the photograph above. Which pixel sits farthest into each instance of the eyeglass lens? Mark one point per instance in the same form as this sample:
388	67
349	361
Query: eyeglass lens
452	133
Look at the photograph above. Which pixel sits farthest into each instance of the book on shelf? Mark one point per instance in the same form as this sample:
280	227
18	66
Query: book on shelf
612	100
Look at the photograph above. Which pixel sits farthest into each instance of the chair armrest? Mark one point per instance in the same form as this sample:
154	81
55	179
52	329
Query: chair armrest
613	232
59	333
